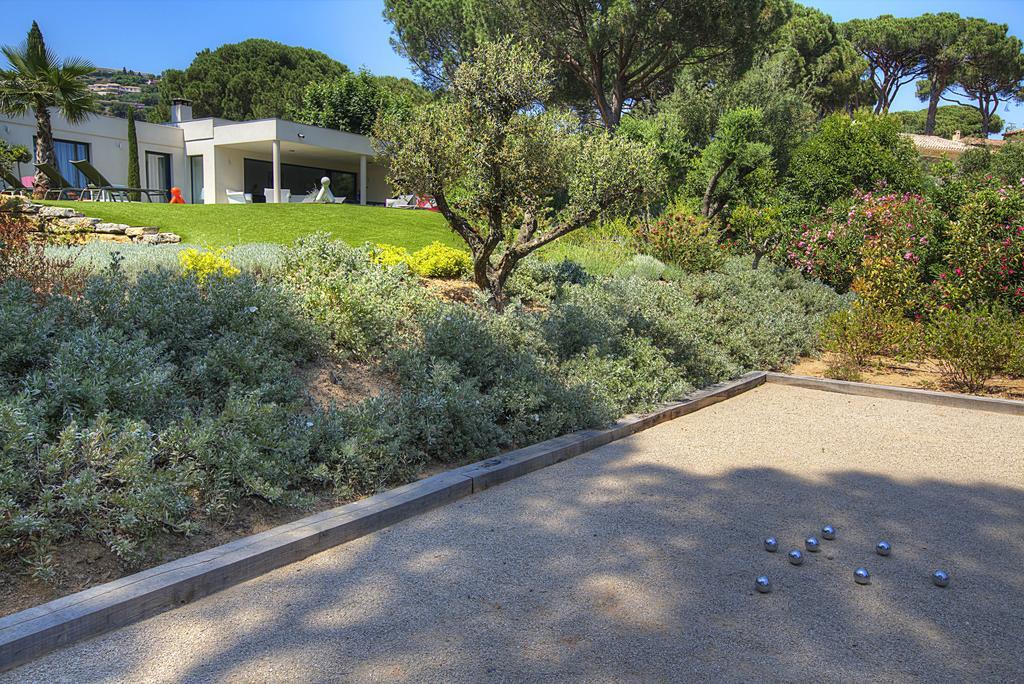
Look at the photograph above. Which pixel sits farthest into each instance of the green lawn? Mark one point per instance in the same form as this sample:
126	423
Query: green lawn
219	225
223	225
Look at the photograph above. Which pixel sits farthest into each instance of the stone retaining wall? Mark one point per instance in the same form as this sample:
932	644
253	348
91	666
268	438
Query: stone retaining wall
64	225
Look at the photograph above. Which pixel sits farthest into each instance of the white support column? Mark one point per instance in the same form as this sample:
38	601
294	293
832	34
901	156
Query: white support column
362	179
277	171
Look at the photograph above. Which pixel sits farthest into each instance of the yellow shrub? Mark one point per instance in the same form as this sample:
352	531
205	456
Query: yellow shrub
390	255
436	260
201	264
441	261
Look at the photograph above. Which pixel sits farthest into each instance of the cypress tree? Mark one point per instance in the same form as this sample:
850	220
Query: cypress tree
133	157
35	39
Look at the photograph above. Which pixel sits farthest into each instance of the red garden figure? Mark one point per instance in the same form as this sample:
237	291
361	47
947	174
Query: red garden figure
176	197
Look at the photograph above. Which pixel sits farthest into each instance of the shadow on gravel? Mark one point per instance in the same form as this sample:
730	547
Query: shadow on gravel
609	568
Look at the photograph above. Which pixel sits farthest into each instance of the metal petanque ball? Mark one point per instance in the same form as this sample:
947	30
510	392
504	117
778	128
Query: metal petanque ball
883	548
862	576
796	557
812	544
771	544
763	584
828	532
940	578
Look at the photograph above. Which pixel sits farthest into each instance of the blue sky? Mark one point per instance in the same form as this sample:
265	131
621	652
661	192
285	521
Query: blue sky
153	36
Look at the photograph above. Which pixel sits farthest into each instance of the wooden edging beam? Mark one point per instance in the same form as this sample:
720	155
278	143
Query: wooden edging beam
863	389
31	633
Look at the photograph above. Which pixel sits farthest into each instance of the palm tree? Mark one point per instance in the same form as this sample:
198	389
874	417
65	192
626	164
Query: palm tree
37	80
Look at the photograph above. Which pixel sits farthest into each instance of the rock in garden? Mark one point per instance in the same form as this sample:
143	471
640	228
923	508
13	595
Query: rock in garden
81	222
58	212
78	224
158	238
136	231
22	206
112	228
110	237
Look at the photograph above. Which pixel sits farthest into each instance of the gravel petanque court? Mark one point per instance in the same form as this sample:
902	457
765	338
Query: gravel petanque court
636	562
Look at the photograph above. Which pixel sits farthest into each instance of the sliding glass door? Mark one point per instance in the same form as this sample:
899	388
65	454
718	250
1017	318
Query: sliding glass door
195	164
158	171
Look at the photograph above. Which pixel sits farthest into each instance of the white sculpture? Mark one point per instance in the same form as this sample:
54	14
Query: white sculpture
325	196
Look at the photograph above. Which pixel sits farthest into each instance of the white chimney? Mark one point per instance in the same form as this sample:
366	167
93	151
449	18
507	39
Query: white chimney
181	110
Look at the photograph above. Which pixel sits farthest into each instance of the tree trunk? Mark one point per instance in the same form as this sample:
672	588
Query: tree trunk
44	150
705	205
509	260
609	115
757	259
933	106
480	276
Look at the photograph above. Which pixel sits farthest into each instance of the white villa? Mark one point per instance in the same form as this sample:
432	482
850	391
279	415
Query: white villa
267	160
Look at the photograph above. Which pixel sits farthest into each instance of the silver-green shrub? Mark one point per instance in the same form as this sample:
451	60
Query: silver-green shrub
152	402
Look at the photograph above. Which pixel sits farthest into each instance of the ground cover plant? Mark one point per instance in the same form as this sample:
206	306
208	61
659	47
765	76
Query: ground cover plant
144	406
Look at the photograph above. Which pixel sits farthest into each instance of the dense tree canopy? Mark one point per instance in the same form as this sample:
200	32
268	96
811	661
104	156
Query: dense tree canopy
781	87
992	69
845	155
942	59
253	79
436	35
353	102
893	52
818	62
948	120
616	54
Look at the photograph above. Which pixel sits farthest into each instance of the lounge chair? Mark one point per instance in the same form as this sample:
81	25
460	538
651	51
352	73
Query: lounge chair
285	195
102	190
238	197
60	188
14	184
401	202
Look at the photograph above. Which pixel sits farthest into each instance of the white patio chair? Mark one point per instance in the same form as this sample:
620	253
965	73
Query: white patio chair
238	197
285	195
401	202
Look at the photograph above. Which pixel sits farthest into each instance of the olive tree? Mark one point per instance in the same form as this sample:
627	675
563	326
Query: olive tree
508	174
